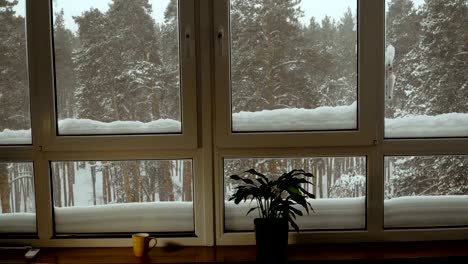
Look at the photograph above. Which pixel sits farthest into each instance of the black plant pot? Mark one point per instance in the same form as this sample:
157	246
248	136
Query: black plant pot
272	240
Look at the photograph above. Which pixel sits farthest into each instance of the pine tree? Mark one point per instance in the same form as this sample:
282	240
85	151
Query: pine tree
265	65
64	68
403	31
440	70
14	89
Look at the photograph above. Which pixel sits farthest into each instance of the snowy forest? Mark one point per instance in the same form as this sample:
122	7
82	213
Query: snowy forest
120	67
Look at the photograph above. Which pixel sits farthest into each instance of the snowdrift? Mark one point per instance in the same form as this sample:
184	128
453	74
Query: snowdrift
426	211
445	125
12	137
291	119
294	119
130	217
20	223
340	213
71	126
345	213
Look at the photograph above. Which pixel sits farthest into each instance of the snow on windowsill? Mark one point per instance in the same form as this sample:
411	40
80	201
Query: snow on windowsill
339	213
130	217
291	119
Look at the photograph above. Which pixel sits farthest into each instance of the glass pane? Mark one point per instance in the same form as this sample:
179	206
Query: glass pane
339	186
426	67
293	65
117	66
426	191
17	207
15	120
123	196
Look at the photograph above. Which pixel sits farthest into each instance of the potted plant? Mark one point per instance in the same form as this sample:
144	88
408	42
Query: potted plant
275	202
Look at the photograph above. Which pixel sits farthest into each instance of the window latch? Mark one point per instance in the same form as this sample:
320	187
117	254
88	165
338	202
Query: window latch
220	37
188	37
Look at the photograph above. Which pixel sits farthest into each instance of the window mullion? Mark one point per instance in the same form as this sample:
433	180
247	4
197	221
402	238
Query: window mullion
371	80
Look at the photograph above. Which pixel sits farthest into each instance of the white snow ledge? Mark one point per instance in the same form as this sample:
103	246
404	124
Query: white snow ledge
297	119
344	213
291	119
15	137
444	125
129	217
91	127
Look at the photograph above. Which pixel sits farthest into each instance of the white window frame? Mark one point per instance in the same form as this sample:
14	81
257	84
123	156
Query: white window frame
365	133
48	147
368	140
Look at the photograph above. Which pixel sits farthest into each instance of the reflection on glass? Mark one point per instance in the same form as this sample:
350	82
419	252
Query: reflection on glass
339	185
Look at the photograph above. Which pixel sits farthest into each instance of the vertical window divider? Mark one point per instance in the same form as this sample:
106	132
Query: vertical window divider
371	79
40	80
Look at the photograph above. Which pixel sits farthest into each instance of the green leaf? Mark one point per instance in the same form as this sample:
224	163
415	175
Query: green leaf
251	209
293	224
297	211
254	172
261	181
292	189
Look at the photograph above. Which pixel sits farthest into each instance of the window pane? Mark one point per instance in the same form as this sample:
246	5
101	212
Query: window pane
293	65
15	122
123	196
426	66
426	191
339	185
17	207
117	67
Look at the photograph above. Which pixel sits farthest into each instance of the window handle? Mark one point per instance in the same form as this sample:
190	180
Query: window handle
220	37
188	38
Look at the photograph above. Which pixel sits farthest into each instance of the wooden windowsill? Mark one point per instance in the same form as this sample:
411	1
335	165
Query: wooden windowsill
236	254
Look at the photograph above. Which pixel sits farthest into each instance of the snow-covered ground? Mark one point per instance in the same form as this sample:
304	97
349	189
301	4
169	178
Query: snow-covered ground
340	213
291	119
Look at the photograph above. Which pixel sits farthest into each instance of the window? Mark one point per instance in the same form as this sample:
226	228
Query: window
117	67
293	65
18	208
339	185
426	83
123	196
426	191
15	120
130	115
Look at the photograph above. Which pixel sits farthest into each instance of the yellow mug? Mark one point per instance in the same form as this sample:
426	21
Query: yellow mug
141	244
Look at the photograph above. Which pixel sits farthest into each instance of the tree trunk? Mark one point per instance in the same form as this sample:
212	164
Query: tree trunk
93	179
4	189
57	186
126	180
135	165
166	187
71	181
187	182
105	179
65	176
